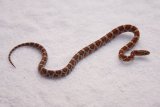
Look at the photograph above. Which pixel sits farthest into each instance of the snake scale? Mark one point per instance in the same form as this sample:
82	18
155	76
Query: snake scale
87	51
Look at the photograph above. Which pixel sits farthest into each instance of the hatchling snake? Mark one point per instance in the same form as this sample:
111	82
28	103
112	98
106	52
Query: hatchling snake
87	51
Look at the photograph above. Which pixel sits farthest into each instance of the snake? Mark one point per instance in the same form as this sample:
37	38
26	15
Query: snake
87	51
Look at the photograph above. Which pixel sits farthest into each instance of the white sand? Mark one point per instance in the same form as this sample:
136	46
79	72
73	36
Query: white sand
65	26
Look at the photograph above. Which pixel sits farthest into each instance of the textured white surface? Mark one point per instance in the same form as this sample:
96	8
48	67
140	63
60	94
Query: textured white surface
65	26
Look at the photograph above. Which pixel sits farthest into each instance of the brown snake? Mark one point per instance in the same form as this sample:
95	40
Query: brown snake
87	51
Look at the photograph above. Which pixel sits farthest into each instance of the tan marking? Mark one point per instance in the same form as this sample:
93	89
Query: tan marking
101	42
132	42
118	30
75	57
90	48
74	60
136	36
124	27
131	28
41	64
95	45
127	47
112	33
72	66
44	56
79	56
130	45
136	30
107	38
84	52
122	50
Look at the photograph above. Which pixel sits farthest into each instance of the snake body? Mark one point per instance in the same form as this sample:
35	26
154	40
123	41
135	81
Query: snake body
87	51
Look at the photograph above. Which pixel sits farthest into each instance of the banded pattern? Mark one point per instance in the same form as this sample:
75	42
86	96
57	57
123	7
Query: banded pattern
87	51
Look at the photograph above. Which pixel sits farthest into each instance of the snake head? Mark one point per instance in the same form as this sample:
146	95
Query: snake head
141	52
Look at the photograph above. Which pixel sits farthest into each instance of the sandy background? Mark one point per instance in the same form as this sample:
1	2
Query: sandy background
65	26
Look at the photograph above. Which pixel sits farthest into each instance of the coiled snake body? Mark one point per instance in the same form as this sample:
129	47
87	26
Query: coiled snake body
87	50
